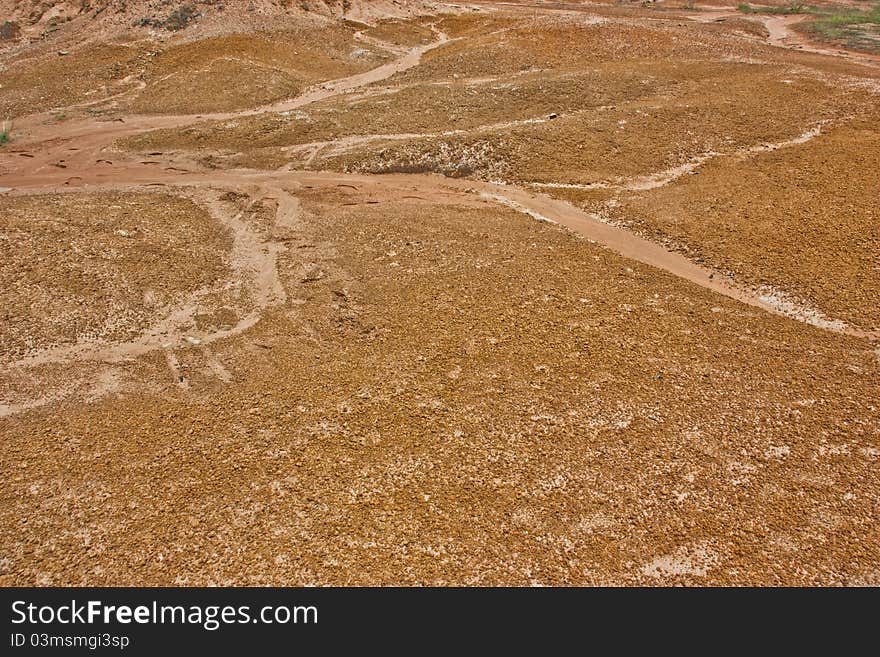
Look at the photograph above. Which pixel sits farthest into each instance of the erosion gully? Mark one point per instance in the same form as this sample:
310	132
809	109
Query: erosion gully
72	156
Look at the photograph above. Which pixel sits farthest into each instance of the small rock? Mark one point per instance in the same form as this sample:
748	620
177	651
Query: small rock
552	115
192	340
63	53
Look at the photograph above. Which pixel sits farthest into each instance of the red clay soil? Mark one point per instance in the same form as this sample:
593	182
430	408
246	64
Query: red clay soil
565	294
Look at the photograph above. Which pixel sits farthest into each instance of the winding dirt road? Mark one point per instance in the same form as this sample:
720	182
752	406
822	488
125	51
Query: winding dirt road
781	34
74	156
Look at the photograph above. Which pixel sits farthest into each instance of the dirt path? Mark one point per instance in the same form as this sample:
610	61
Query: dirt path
667	176
74	156
539	206
632	246
41	127
252	263
781	34
779	28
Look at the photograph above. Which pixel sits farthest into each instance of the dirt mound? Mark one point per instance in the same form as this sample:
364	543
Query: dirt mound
181	14
803	217
223	72
239	70
48	26
226	55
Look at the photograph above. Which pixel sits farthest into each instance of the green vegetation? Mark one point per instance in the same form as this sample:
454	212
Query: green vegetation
180	18
5	133
853	27
830	15
794	8
848	16
9	30
176	20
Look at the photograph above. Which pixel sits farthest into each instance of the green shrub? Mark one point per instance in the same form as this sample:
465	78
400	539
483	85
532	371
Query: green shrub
793	8
5	132
180	18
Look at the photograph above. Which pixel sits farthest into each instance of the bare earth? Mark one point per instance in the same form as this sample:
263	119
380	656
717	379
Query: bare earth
497	293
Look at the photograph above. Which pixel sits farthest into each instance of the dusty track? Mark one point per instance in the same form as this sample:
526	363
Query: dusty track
252	262
779	29
781	34
72	156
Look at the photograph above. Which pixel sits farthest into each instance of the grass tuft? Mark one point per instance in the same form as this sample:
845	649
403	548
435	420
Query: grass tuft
853	27
794	8
180	18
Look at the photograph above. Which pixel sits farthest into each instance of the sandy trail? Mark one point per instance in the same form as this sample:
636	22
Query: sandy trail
252	262
667	176
778	27
632	246
781	34
41	127
75	156
344	85
537	205
343	144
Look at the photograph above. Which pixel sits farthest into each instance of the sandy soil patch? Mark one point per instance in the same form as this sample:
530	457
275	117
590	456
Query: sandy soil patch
98	267
437	358
804	217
